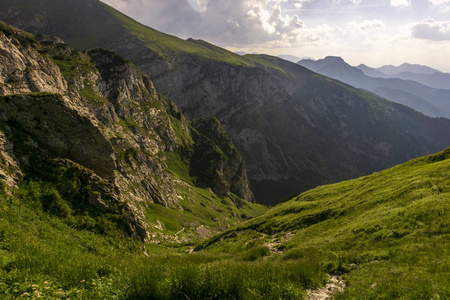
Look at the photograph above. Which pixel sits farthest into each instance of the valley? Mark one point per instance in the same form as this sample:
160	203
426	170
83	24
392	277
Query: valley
294	128
138	165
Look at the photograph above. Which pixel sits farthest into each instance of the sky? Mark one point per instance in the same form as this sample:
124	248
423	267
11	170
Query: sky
373	32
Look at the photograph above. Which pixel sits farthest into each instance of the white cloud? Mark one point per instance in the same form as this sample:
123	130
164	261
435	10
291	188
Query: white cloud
400	3
225	22
199	5
437	3
441	5
340	2
371	24
299	3
430	29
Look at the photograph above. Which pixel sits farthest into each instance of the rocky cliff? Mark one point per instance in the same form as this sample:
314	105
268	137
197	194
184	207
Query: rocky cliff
94	115
294	128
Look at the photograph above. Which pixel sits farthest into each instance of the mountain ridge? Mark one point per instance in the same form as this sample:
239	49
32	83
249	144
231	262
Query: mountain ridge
406	67
294	128
430	101
437	80
92	126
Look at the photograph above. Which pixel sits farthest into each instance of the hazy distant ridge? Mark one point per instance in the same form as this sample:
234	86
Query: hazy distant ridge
427	93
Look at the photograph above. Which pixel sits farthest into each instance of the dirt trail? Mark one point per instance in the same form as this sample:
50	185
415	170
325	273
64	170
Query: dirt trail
274	243
335	284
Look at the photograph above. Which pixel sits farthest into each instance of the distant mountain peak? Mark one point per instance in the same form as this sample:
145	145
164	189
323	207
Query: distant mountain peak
335	59
406	67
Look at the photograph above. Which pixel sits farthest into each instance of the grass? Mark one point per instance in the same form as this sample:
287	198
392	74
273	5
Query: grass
388	232
212	277
42	256
88	93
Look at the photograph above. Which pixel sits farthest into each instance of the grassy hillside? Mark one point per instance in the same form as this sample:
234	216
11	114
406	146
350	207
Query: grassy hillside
389	232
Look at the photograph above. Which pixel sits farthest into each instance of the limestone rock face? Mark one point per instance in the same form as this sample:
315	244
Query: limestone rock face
98	115
24	70
10	173
216	163
61	131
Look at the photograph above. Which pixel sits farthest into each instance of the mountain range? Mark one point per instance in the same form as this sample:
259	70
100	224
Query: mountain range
405	67
111	190
295	129
421	74
400	88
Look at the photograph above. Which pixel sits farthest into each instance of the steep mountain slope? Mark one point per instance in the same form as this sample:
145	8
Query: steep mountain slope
430	101
389	231
91	126
436	80
295	129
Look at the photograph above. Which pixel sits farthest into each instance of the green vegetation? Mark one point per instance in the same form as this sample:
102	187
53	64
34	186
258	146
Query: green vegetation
88	93
73	66
24	37
387	232
43	256
65	234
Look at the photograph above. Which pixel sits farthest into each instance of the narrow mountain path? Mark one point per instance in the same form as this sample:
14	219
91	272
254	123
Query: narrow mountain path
272	245
335	285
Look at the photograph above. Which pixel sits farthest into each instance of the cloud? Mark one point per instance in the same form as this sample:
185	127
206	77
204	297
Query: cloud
371	24
365	26
437	3
199	5
299	3
346	2
400	3
225	22
430	29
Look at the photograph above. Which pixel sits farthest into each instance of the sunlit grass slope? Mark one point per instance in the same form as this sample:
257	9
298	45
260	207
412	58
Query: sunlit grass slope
388	232
44	257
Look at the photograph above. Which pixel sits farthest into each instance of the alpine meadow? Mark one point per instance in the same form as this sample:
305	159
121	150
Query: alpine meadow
136	164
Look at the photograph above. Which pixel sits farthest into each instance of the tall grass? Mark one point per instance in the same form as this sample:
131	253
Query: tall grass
199	277
41	255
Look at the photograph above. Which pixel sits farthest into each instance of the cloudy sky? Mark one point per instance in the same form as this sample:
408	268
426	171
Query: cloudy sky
374	32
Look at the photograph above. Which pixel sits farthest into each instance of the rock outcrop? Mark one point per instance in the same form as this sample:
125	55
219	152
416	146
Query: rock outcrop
215	161
97	113
294	128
